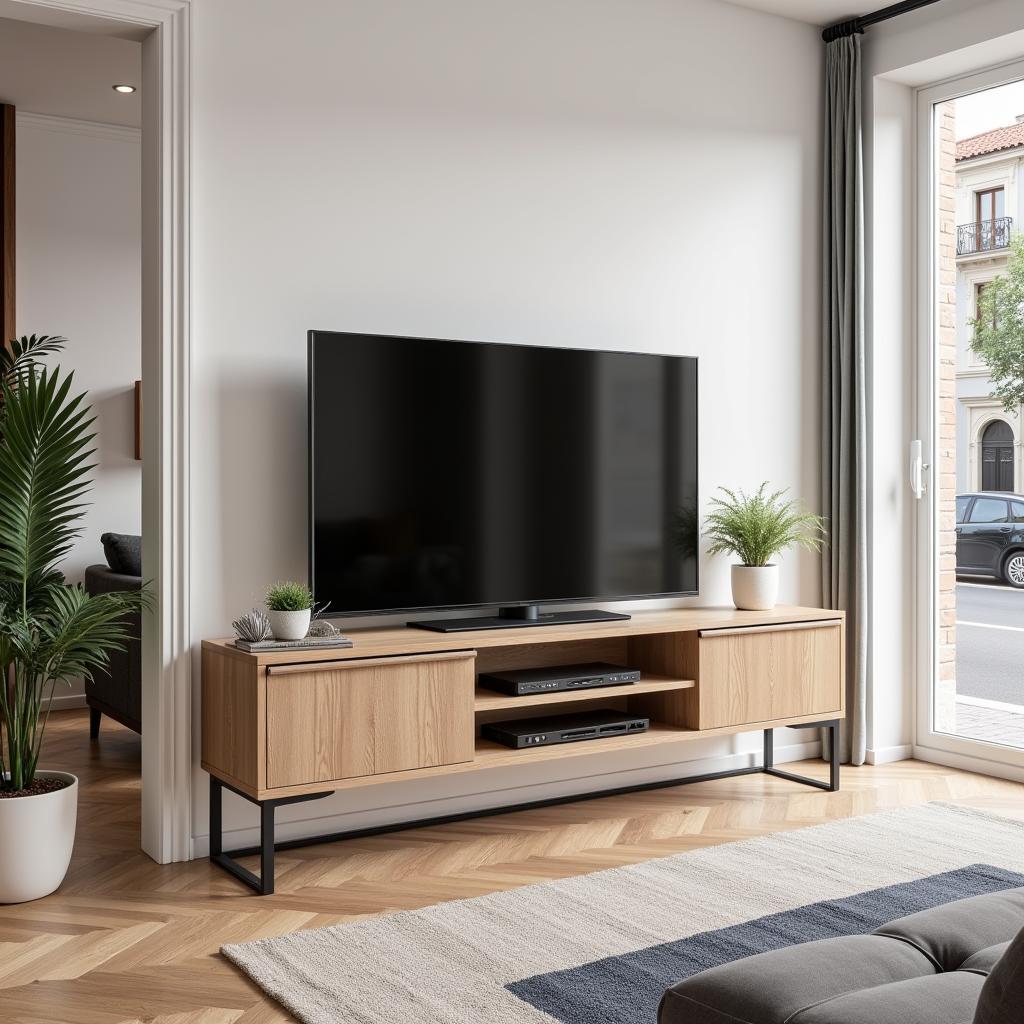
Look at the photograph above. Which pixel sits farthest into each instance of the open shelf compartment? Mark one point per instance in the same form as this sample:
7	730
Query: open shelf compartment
490	700
665	693
494	755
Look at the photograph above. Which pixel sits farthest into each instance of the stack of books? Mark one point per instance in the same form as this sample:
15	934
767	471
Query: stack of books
308	643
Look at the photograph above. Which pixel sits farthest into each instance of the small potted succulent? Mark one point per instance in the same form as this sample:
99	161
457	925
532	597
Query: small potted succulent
290	608
756	528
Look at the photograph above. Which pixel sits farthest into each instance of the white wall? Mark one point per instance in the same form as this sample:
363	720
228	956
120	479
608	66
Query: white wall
78	266
639	174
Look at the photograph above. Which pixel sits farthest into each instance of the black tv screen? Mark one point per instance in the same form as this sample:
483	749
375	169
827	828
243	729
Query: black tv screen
447	474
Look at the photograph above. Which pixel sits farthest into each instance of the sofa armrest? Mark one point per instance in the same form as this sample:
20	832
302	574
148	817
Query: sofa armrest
100	579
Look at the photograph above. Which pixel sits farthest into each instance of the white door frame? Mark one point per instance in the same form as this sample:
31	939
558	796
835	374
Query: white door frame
166	377
929	745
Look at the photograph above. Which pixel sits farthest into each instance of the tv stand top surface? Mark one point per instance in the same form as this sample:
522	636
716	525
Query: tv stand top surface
391	641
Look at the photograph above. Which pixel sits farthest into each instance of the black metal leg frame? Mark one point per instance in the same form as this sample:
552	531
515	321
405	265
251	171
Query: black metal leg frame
263	884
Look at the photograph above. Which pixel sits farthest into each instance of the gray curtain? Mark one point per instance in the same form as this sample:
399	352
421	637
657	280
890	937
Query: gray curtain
844	434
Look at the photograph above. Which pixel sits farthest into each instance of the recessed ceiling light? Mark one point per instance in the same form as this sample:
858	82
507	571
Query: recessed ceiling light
124	88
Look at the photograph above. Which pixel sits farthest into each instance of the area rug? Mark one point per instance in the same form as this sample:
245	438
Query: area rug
601	948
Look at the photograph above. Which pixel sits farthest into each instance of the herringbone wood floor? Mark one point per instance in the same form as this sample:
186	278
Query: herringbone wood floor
125	940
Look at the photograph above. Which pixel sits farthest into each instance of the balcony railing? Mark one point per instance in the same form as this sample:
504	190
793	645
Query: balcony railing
983	236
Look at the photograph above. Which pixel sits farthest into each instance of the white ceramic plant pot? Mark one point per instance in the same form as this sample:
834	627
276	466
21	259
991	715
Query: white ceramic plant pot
290	625
37	835
755	587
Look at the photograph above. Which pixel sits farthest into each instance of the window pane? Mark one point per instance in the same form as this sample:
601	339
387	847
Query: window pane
991	203
961	509
1017	508
988	510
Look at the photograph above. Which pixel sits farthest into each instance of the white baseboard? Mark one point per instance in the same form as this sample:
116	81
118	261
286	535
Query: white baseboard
240	838
66	701
887	755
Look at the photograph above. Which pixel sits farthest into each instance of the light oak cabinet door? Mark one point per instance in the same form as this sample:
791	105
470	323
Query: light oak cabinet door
758	674
344	720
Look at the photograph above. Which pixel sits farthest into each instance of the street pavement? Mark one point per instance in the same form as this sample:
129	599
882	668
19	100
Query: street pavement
990	642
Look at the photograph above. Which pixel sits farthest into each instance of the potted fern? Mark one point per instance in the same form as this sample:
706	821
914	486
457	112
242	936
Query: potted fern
756	528
290	608
50	631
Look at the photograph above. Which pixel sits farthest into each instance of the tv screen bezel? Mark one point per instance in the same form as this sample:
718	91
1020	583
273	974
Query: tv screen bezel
310	449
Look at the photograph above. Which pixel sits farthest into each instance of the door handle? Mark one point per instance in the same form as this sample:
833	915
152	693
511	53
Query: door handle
917	469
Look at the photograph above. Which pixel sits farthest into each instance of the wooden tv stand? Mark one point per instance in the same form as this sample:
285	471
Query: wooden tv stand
402	704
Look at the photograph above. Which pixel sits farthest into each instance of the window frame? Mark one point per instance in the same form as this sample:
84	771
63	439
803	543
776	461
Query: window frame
979	287
991	193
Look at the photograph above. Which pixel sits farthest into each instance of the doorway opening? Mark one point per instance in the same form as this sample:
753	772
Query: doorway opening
161	35
997	457
77	173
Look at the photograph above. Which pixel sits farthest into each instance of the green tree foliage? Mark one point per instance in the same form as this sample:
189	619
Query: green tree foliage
999	329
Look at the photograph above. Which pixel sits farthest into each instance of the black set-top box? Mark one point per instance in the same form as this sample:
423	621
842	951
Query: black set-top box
523	681
570	728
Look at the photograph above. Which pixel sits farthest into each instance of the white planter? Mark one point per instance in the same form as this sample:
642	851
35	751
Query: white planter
37	835
290	625
755	587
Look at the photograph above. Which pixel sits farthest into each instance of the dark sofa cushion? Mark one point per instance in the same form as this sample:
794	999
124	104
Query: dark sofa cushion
1002	998
123	552
985	959
927	968
770	987
936	999
948	935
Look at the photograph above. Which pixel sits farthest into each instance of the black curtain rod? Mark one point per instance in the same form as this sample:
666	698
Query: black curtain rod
849	28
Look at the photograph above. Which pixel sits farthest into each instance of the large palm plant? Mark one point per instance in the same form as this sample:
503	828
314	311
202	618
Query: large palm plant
50	631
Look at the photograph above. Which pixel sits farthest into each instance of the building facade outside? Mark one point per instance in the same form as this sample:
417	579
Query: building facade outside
989	210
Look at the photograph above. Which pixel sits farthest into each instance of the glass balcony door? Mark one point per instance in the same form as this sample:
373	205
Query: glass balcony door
969	611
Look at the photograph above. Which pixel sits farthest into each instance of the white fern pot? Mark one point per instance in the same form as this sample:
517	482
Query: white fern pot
290	625
37	835
755	588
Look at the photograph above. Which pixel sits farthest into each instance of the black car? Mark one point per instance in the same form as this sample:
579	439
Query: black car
990	535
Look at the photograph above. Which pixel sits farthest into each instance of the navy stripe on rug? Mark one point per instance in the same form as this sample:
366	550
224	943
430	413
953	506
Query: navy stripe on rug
626	989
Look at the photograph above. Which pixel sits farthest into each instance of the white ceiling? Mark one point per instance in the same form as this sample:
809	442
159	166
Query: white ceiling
45	70
817	12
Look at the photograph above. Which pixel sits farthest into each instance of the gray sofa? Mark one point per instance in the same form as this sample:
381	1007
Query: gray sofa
960	963
117	691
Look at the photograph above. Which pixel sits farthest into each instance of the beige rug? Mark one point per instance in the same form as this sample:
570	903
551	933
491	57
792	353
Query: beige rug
598	948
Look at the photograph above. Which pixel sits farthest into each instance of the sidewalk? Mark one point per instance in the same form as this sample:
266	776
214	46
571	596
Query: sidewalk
990	720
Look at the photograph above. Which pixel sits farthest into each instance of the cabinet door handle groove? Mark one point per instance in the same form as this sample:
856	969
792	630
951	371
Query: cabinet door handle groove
781	627
342	664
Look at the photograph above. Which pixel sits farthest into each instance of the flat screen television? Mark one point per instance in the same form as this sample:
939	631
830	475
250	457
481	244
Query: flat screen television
454	474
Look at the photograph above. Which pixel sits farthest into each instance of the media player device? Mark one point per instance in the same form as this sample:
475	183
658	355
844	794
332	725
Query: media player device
580	725
523	681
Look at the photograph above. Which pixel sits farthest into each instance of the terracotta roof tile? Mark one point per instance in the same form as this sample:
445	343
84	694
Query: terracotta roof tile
990	142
